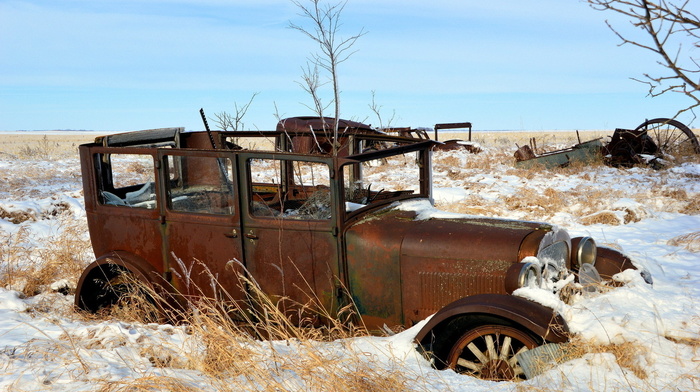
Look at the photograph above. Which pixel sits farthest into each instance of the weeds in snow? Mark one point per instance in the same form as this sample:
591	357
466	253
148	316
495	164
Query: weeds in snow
690	241
222	343
32	266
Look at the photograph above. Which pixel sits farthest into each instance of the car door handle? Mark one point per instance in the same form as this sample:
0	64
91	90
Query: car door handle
251	236
232	234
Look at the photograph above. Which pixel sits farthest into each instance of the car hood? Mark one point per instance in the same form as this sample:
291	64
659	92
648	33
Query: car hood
427	232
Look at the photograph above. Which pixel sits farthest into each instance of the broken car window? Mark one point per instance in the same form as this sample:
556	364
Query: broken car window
380	179
126	180
290	189
200	184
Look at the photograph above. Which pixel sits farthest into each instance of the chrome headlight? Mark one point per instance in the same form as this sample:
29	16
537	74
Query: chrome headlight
525	274
585	251
555	254
553	259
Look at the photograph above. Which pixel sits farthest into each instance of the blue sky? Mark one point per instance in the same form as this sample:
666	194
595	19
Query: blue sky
503	64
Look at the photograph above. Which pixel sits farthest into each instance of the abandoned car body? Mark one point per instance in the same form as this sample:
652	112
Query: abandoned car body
356	229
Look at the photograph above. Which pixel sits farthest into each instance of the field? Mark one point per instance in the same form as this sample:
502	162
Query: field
635	337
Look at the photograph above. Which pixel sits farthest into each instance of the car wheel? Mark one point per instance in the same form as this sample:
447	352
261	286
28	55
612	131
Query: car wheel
489	352
671	137
112	287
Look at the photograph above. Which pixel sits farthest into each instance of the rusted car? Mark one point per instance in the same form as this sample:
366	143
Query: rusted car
355	229
314	135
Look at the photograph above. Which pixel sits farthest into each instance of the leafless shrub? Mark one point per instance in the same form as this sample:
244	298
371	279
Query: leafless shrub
233	121
42	149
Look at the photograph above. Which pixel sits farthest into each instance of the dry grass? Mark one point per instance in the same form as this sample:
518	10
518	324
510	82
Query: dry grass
31	267
690	241
692	206
508	139
629	355
35	145
232	358
602	218
537	202
149	384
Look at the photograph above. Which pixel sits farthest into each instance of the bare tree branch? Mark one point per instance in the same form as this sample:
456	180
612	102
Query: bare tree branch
334	50
377	111
673	33
233	122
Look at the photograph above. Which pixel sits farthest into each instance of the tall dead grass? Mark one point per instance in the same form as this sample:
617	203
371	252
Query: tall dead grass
33	266
690	241
296	353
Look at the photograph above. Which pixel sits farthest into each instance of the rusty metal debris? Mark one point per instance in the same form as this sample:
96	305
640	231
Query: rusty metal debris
447	145
585	152
654	143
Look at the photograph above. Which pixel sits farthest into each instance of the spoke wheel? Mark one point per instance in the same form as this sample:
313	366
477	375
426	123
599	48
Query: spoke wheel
671	137
489	352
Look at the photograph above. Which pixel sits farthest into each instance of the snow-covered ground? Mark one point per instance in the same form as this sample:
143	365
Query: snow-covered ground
640	337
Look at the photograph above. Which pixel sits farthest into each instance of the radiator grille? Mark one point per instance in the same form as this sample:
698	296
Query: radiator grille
440	288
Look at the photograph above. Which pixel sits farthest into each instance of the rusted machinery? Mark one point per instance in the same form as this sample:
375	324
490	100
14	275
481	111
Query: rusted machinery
655	142
447	145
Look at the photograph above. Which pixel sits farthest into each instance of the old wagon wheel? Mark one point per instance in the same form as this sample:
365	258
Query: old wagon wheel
489	352
671	137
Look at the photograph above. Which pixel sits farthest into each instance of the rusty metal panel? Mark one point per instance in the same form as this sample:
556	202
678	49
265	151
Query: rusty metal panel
134	230
137	232
430	285
201	223
471	239
373	248
294	261
585	152
293	257
209	249
305	124
437	274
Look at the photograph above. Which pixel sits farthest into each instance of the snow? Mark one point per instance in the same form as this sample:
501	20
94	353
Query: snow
45	346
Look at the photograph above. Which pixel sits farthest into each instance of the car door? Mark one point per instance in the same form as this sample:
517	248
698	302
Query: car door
289	228
201	227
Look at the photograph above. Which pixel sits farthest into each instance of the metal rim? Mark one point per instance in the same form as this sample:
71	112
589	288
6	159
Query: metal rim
586	252
489	352
671	136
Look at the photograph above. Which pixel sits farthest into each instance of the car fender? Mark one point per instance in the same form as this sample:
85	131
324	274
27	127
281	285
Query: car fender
538	319
611	261
142	270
